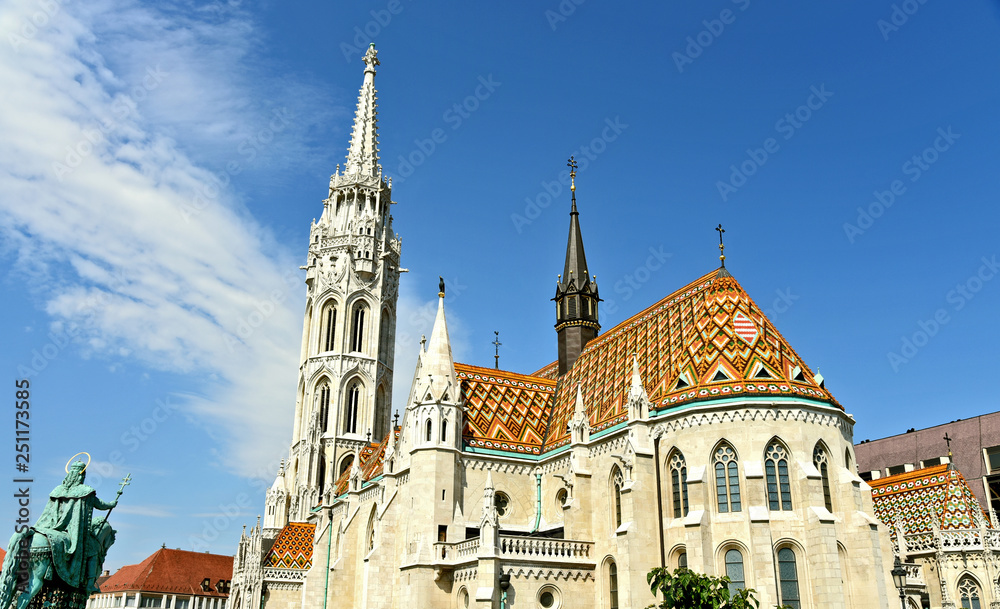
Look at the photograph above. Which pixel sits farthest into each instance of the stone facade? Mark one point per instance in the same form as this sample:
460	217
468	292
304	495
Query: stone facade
690	434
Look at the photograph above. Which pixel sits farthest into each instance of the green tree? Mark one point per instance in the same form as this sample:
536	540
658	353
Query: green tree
685	589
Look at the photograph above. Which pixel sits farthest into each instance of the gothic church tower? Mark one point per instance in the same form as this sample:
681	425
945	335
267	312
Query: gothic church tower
352	280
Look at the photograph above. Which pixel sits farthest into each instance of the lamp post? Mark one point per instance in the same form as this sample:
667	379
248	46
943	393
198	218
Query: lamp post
504	585
899	580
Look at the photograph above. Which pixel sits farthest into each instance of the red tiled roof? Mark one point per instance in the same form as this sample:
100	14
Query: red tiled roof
911	498
504	410
173	571
708	340
292	547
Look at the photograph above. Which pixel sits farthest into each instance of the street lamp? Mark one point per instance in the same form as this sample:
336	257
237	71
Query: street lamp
899	580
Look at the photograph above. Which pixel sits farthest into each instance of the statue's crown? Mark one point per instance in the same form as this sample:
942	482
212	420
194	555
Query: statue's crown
78	466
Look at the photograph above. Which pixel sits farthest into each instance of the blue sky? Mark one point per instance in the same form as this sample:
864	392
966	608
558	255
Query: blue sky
162	163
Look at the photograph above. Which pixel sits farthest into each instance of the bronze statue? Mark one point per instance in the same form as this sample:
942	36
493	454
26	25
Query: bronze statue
63	553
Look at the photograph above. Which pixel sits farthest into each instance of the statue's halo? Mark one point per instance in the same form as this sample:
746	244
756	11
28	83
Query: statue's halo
77	455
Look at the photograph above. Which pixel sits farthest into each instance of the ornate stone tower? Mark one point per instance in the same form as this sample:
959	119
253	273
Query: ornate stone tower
352	279
576	293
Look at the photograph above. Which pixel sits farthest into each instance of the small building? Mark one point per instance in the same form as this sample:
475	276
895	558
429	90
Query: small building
950	549
974	451
168	579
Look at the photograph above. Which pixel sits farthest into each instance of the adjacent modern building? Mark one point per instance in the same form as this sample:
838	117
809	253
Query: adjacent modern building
689	434
168	579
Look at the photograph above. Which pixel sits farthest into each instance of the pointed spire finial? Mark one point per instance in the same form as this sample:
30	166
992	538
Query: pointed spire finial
722	247
440	287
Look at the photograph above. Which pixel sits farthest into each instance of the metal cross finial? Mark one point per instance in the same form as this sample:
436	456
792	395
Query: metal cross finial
722	247
496	345
395	419
127	480
947	441
572	175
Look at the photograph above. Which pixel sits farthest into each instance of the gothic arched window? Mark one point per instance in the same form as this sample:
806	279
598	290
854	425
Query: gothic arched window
779	494
328	327
612	585
968	593
351	413
324	405
429	430
358	328
678	484
788	579
444	431
727	479
617	481
346	464
822	463
734	570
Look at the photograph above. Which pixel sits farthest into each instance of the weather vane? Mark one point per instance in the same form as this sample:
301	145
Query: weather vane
496	345
722	247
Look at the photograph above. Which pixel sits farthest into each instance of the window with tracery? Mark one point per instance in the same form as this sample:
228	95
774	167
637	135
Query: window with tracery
779	493
822	463
727	480
968	594
678	484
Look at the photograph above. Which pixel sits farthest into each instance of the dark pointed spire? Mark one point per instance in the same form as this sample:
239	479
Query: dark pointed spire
576	292
576	268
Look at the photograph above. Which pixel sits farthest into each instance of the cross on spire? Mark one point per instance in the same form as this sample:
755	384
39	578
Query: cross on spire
572	177
947	441
496	344
722	247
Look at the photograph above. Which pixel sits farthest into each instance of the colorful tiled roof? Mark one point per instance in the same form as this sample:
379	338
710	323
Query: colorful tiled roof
914	499
372	456
293	547
504	410
173	571
708	340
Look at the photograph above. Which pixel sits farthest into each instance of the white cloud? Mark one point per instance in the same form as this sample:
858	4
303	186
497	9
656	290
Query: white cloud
114	111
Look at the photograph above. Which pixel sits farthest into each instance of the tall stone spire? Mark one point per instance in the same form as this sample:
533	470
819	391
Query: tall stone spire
576	292
362	153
